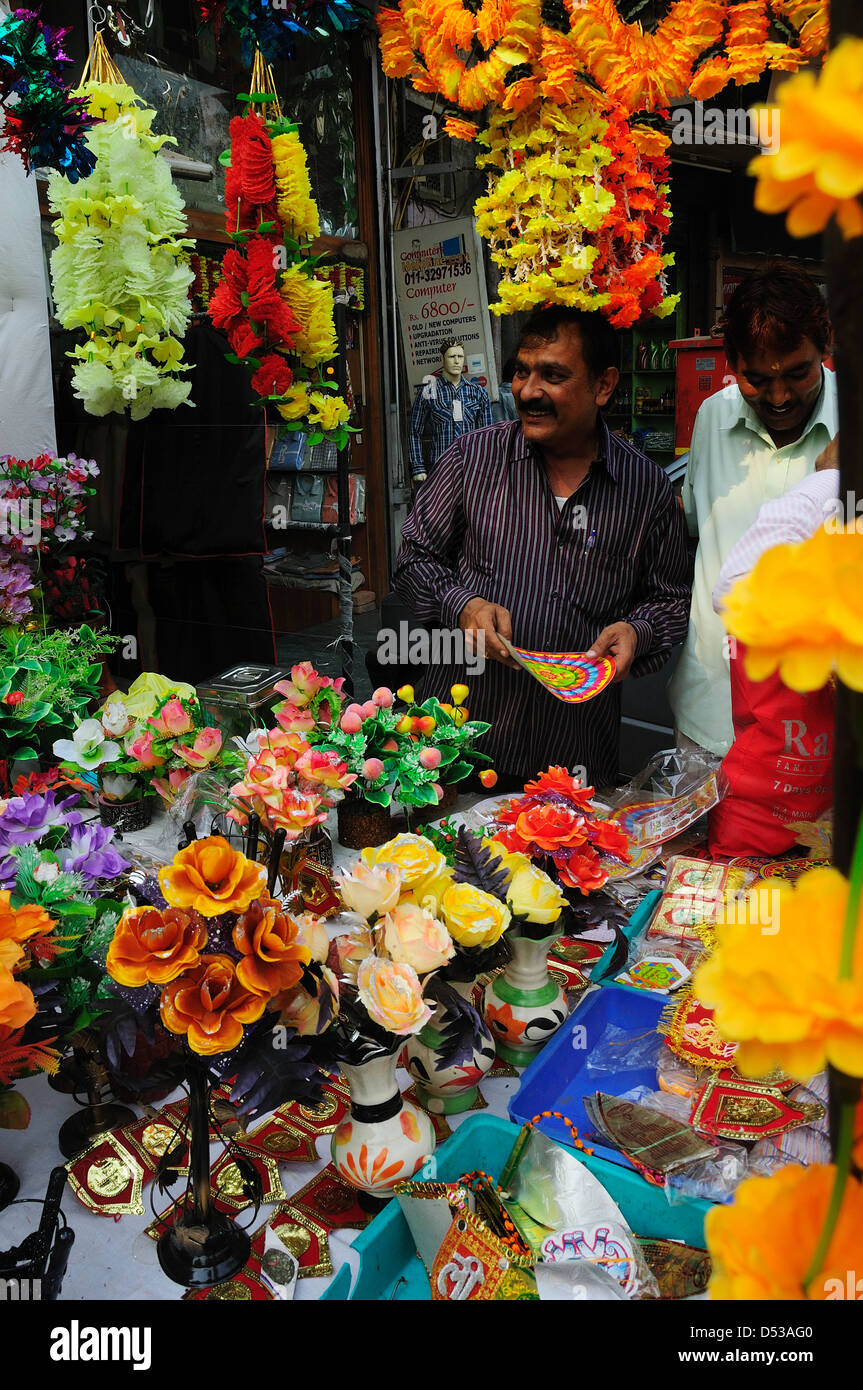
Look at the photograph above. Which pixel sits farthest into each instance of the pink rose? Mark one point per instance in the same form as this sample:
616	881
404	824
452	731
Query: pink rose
294	719
205	748
142	751
327	769
172	719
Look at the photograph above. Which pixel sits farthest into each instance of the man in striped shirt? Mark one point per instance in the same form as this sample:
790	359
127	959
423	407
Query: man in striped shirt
558	535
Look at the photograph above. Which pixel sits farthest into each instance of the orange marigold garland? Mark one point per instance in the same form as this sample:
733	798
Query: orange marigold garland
746	48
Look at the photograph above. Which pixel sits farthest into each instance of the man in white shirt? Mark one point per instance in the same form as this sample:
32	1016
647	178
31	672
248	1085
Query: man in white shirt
751	443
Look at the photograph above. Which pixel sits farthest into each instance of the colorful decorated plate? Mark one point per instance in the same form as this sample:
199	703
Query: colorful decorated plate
570	676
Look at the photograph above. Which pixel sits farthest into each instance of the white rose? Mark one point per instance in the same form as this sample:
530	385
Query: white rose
370	888
115	720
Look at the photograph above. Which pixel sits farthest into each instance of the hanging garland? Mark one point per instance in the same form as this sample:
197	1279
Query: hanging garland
120	271
275	30
576	210
643	71
44	124
747	49
277	317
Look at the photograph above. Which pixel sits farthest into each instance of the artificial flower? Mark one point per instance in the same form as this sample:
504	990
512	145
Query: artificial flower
91	852
311	302
370	888
313	935
309	1013
211	877
350	949
429	890
414	856
557	781
209	1006
19	925
762	1243
549	826
780	1000
807	630
327	411
817	170
119	270
273	377
305	683
392	996
472	916
533	895
173	718
17	1004
412	936
207	746
295	403
25	819
88	747
115	787
115	719
296	207
141	749
273	957
150	946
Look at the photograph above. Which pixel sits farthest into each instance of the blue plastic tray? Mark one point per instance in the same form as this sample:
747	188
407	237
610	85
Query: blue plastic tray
556	1079
386	1248
638	922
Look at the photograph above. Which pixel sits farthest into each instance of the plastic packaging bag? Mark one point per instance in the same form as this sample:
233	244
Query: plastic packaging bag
555	1189
625	1049
673	791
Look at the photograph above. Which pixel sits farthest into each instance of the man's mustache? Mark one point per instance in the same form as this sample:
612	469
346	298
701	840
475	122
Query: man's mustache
535	409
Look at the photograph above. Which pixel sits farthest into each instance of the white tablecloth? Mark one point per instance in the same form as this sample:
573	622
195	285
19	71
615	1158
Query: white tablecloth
112	1257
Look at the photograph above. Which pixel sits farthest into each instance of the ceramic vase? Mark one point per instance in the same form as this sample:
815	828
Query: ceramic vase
446	1088
384	1139
524	1006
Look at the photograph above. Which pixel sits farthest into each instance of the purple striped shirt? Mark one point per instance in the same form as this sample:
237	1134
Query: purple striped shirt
487	525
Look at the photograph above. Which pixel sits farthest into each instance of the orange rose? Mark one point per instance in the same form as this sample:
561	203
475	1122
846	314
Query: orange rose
209	1005
273	956
17	1005
155	947
212	878
18	924
551	826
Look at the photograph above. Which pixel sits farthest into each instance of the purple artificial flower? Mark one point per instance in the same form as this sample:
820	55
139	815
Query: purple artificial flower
91	853
8	872
25	819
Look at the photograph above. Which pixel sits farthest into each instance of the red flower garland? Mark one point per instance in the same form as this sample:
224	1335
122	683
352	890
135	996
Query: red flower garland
246	305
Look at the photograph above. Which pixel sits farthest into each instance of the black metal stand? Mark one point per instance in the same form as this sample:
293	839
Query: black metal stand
204	1246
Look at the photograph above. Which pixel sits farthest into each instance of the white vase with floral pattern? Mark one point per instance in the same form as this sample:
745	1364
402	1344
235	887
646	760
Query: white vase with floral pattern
524	1006
385	1139
448	1088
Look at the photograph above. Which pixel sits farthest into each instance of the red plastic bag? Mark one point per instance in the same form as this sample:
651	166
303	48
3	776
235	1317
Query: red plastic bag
779	769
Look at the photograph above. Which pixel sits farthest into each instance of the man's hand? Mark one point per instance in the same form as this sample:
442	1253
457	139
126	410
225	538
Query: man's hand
489	619
619	640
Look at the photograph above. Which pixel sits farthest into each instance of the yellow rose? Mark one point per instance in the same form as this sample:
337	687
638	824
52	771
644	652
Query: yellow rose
511	860
429	891
413	855
370	888
413	937
392	995
473	917
532	894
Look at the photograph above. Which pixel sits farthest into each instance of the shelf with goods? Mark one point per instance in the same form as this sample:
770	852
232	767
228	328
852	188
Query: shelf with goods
643	406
